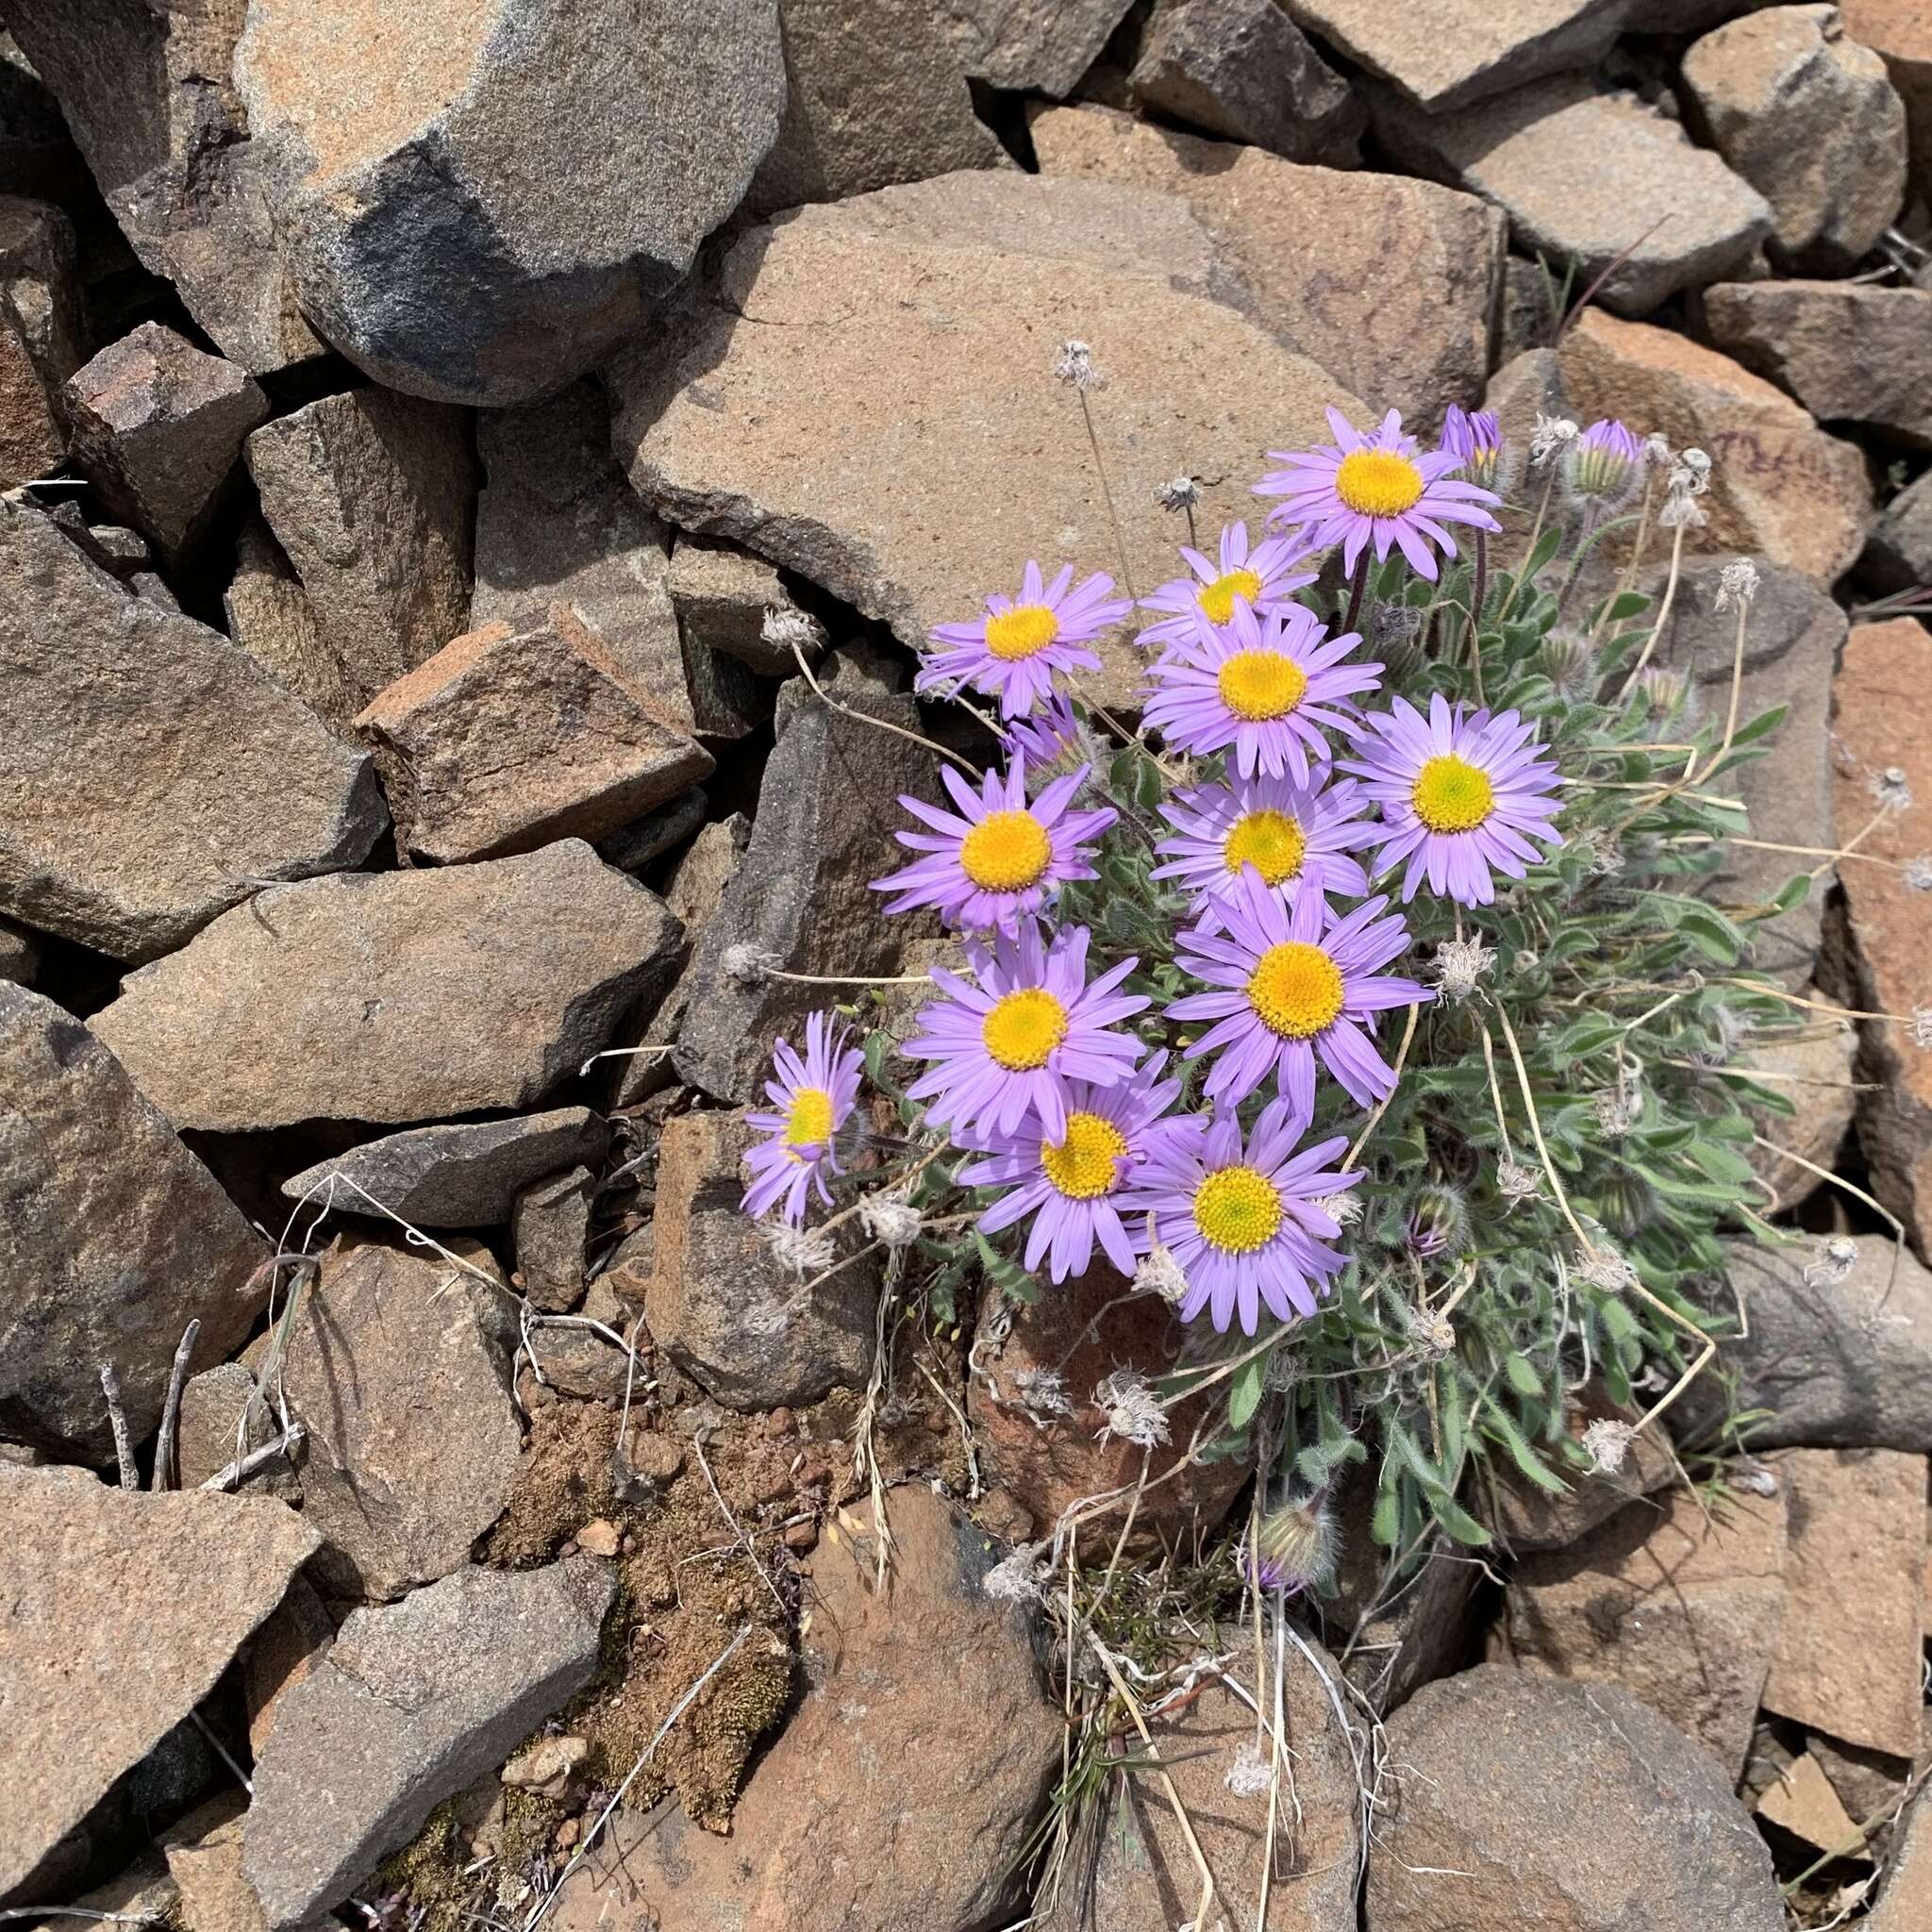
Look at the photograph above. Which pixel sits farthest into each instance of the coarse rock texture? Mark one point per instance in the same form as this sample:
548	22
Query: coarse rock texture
1041	46
1803	1802
117	1237
397	998
1679	1602
466	1175
414	1702
1145	1869
42	330
269	614
549	1232
749	1330
1809	119
427	184
1905	1899
1048	1450
122	1608
399	1370
1525	1801
1849	352
1898	553
292	1639
509	737
151	775
370	496
148	96
1591	176
1528	1517
557	524
874	375
222	1419
886	1856
20	953
1853	1646
157	426
206	1866
875	95
1878	728
1812	1063
1900	33
1389	283
824	829
1243	70
721	593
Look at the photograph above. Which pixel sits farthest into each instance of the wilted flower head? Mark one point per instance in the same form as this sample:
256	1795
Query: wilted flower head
1295	1545
1458	965
887	1219
1616	1108
1547	436
1343	1209
746	964
1075	365
1892	789
1517	1183
1681	511
1160	1274
1833	1263
1436	1222
1015	1578
1042	1393
1664	689
1600	1266
1132	1410
1250	1775
791	628
1568	659
1475	438
801	1251
1602	855
1737	583
1179	493
1922	1025
1602	466
1657	449
1607	1443
1918	873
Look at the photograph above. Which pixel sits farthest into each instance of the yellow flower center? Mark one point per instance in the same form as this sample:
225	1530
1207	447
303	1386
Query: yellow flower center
1023	1029
1269	841
1006	851
809	1122
1450	794
1237	1210
1379	483
1259	685
1217	599
1021	632
1085	1164
1295	989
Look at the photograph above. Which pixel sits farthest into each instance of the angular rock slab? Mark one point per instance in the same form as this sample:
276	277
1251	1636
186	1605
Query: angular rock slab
721	595
1524	1801
122	1608
1389	283
429	184
151	775
117	1237
272	617
396	997
414	1702
42	336
1904	1903
1900	33
867	399
1898	554
1812	1064
1042	46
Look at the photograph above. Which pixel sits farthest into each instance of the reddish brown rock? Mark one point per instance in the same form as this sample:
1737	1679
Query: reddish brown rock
271	616
290	1643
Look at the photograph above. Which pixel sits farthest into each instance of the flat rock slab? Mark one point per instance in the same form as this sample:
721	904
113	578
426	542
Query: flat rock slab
151	774
459	1176
873	380
121	1609
414	1702
395	998
117	1237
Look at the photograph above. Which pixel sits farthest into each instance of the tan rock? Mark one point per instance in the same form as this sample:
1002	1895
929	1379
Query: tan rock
721	593
41	335
1850	1658
1905	1896
269	615
1813	1066
549	1761
1900	33
216	1896
1803	1803
600	1538
1780	488
223	1418
292	1639
1387	282
1041	46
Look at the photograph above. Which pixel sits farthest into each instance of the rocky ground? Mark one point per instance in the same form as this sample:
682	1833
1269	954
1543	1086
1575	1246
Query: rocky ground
409	421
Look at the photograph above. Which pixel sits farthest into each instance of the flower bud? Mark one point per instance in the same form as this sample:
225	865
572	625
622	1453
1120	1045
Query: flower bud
1295	1546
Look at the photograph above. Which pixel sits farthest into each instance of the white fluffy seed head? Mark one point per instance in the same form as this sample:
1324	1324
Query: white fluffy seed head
1132	1410
1892	789
1250	1775
1736	584
1160	1274
801	1251
1918	873
1600	1266
1517	1183
1607	1444
1179	493
1548	435
895	1223
1075	365
1458	965
1833	1263
746	964
1344	1208
790	629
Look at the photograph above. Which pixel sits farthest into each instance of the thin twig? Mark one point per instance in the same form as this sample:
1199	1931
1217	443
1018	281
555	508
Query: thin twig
165	1476
233	1473
117	1421
737	1529
879	724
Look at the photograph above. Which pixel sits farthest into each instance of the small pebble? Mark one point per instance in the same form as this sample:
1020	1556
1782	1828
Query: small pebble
600	1538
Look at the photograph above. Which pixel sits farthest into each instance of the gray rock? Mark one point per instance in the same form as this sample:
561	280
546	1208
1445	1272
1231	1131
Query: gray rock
1041	46
413	1702
401	997
657	832
20	953
456	1176
157	776
1905	1902
117	1237
370	496
1588	176
430	186
1526	1801
550	1233
42	332
269	614
1902	37
222	1419
1898	554
122	1608
1243	70
721	595
157	426
1809	1063
1809	119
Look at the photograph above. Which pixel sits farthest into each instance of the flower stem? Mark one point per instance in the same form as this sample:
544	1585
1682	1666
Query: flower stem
1120	541
1357	584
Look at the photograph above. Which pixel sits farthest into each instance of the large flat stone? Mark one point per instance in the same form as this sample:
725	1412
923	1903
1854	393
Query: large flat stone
399	997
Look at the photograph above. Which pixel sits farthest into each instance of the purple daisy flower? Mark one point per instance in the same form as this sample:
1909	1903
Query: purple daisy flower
1071	1185
1378	489
1475	438
813	1097
1004	858
1052	736
1245	1222
1461	794
1265	686
1287	983
1015	650
1263	580
1008	1046
1297	837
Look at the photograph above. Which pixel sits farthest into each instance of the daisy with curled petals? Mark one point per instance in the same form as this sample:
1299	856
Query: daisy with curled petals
1287	983
1072	1184
999	863
1009	1042
813	1097
1462	795
1378	489
1246	1221
1297	837
1263	687
1263	580
1015	650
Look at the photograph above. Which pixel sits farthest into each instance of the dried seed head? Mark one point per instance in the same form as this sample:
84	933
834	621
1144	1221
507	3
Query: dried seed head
801	1251
1075	365
790	629
1833	1263
1179	493
1042	1393
1015	1578
1249	1775
1132	1409
1681	511
893	1222
1548	435
1922	1025
1616	1108
1918	873
1458	965
1160	1274
1892	789
747	964
1517	1183
1607	1444
1600	1266
1295	1545
1737	583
